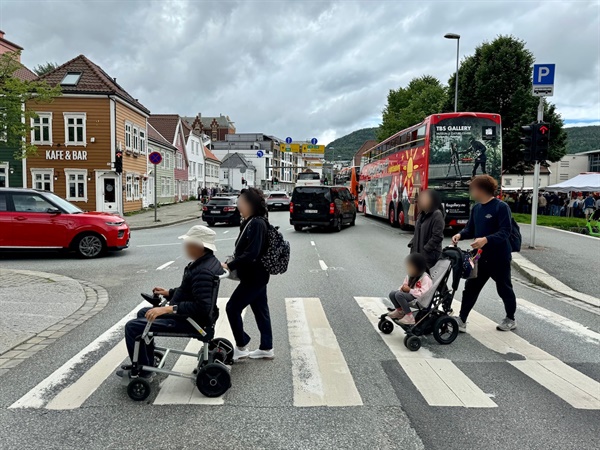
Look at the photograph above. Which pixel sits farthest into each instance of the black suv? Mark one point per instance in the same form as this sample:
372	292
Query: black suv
324	206
221	209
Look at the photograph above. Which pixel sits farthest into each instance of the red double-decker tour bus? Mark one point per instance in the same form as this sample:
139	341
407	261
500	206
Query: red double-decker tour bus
443	153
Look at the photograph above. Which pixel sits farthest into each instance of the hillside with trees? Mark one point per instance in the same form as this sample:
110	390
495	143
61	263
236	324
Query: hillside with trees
583	139
346	146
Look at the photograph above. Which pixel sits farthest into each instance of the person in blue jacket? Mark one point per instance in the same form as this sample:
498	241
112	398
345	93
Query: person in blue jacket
490	226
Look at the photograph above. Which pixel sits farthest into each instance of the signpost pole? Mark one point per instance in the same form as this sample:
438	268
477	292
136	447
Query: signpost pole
155	193
536	182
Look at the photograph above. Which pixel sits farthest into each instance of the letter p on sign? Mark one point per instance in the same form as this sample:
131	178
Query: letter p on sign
543	74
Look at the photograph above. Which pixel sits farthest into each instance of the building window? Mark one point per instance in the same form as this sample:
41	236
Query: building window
200	171
75	128
71	79
42	179
127	136
76	184
41	129
507	181
3	127
129	187
136	141
163	186
3	175
136	187
179	161
142	142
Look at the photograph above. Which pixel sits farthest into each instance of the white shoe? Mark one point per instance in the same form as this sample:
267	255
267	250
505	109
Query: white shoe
240	353
262	354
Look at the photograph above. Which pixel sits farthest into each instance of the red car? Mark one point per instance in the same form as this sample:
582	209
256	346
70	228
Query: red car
41	220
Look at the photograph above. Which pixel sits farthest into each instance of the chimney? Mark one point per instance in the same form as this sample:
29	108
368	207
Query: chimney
1	34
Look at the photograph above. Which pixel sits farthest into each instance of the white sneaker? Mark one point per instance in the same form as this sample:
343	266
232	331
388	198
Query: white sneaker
262	354
240	353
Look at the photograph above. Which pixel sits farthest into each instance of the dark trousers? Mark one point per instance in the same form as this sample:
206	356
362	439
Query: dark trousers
255	297
135	327
476	165
499	271
402	299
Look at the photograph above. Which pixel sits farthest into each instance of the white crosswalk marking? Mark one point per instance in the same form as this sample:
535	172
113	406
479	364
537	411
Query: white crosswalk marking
36	397
439	381
577	389
176	390
321	375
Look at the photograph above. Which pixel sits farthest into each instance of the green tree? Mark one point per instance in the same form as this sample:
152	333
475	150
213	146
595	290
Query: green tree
497	78
408	106
14	93
43	69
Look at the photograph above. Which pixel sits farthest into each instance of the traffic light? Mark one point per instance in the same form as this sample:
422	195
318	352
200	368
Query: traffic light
528	142
119	161
542	138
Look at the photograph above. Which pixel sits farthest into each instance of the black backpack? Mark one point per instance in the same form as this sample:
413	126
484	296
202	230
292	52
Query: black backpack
277	254
515	238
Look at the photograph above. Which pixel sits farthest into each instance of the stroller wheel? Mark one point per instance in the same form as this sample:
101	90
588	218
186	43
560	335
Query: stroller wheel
158	356
413	343
385	326
222	349
213	380
138	389
445	330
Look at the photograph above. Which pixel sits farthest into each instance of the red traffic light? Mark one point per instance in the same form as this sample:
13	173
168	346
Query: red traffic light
543	129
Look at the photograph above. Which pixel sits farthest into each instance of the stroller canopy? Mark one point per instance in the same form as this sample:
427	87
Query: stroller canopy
584	182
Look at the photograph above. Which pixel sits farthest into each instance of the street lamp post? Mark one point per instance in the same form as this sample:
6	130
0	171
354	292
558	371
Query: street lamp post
457	37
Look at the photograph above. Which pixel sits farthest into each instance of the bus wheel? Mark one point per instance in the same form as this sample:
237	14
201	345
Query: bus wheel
402	221
392	216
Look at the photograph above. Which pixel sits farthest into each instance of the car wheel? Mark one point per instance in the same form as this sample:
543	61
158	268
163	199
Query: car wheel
89	245
298	227
353	220
210	223
338	225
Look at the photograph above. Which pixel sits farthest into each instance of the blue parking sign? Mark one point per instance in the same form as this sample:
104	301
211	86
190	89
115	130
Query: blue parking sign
543	74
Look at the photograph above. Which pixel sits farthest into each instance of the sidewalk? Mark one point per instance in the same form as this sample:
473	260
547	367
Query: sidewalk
167	215
38	308
562	261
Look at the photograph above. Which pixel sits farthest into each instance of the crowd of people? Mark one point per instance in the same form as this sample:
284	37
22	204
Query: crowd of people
578	204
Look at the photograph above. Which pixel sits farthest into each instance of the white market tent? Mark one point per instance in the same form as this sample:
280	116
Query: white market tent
584	182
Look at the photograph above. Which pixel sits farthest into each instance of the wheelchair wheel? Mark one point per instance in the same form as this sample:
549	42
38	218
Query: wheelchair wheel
222	350
445	330
385	326
413	343
213	380
158	356
138	389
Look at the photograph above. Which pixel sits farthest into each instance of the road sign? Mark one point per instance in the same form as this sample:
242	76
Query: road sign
316	151
543	80
314	164
260	153
314	141
290	148
155	158
288	140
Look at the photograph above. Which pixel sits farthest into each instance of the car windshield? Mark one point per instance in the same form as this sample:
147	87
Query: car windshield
63	204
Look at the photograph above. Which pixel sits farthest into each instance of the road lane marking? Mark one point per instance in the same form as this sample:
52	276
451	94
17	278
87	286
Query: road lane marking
322	264
165	265
575	388
312	243
226	239
181	391
157	245
559	321
226	231
37	397
321	376
438	380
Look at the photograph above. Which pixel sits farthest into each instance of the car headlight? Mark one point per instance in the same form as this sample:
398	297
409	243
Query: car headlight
115	223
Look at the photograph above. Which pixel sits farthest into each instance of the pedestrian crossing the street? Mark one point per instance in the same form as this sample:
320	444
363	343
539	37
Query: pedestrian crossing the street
320	373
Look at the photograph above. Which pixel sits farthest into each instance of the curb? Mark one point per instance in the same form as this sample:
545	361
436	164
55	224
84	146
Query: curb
542	278
96	298
161	224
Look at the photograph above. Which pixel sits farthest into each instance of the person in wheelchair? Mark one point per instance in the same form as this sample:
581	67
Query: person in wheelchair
193	298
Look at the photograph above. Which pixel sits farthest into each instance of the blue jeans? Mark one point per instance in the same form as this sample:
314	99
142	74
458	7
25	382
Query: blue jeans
555	210
135	327
255	297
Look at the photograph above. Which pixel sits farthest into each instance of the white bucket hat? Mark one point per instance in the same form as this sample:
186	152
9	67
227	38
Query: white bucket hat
201	235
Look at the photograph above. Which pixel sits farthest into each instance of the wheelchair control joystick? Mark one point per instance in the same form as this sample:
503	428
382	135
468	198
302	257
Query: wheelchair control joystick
153	299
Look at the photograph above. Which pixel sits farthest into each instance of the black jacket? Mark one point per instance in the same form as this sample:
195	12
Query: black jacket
249	247
428	237
195	295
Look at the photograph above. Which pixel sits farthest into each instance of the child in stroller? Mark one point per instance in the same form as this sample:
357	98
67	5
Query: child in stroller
416	283
433	308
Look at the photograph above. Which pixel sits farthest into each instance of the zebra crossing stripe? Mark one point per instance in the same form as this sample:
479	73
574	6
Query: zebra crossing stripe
180	391
438	380
38	396
575	388
321	376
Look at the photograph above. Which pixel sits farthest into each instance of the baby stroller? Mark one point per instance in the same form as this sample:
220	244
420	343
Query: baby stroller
212	374
433	309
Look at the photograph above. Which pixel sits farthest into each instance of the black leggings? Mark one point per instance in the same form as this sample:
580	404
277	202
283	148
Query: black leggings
499	271
401	299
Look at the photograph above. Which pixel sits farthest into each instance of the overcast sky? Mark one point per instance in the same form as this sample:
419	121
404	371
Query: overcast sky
301	68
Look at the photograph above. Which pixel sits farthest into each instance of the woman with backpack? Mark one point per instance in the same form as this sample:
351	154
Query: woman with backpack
250	246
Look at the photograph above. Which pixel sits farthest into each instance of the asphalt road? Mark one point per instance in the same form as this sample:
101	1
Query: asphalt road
516	410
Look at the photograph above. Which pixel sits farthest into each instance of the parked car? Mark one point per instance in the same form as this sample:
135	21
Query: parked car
324	206
35	219
278	200
222	209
